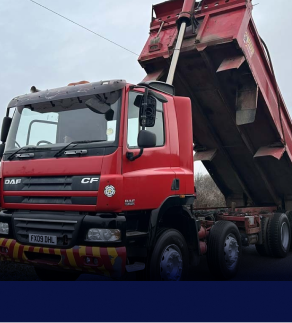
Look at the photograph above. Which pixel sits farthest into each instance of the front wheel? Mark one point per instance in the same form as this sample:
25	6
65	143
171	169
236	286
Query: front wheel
52	275
170	258
224	250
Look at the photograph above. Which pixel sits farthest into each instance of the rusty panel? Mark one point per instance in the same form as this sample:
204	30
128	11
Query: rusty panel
208	6
246	99
166	40
167	8
220	27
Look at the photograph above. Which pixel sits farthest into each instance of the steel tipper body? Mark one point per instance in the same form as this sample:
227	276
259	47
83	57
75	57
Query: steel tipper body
242	129
211	52
74	194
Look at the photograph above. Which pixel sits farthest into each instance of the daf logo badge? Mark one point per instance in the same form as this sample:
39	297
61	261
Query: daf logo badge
109	191
12	181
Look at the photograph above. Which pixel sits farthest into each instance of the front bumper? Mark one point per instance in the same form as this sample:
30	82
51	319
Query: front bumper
111	262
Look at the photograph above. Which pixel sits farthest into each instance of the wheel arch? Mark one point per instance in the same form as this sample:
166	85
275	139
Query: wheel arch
174	214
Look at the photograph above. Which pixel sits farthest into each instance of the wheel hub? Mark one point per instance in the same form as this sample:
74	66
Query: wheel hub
231	251
171	264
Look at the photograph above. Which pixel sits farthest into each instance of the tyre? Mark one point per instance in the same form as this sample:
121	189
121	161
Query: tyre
289	216
264	249
224	250
279	235
170	257
52	275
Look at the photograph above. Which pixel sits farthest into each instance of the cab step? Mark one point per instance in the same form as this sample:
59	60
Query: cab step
137	266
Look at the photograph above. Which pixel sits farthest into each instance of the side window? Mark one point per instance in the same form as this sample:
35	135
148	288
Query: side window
134	127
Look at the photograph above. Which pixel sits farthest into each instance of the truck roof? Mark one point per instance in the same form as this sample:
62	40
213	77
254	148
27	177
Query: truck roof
68	92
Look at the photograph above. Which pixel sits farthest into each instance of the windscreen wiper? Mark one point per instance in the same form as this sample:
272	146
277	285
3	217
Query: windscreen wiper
60	152
25	148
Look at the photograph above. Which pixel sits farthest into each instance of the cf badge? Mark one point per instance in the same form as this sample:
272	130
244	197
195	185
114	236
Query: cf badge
89	180
109	191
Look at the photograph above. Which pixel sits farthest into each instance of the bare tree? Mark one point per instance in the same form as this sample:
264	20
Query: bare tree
208	194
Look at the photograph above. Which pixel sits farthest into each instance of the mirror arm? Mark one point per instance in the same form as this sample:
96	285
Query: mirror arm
2	148
131	156
157	96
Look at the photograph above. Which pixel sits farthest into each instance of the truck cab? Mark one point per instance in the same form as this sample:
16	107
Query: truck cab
89	173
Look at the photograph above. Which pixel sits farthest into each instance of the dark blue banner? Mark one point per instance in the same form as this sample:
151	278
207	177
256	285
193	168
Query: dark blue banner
146	301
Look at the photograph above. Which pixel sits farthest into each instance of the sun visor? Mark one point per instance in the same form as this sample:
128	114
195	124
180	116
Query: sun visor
68	92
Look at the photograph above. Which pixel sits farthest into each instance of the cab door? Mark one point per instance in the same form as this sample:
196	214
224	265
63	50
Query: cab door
148	180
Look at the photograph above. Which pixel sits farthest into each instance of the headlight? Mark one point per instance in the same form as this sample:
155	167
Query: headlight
4	228
104	235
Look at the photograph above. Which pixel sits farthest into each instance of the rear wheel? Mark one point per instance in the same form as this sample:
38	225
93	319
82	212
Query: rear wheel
170	259
224	250
289	216
52	275
264	248
279	235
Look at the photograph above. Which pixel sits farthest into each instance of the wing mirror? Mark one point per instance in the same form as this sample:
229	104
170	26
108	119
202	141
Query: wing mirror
4	133
146	139
147	113
5	128
147	116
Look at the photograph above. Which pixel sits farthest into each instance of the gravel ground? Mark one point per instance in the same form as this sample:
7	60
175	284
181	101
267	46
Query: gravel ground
16	272
10	271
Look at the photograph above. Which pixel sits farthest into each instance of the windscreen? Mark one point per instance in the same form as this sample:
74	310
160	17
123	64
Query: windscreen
58	123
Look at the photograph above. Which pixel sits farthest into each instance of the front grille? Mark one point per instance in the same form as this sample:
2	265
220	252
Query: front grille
64	200
47	183
22	186
64	230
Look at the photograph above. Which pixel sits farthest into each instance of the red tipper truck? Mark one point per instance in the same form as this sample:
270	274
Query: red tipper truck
99	177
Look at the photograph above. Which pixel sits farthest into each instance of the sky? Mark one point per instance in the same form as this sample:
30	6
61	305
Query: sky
42	49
